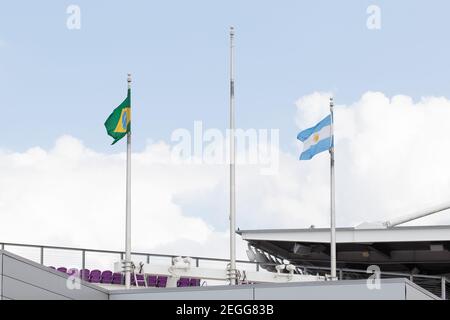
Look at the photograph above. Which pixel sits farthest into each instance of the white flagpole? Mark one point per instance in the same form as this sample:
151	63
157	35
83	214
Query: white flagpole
232	275
128	206
332	206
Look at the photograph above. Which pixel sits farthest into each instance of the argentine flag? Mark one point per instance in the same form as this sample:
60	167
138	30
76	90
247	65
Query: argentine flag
316	139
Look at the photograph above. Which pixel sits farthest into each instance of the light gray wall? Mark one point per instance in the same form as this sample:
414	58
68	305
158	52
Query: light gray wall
390	289
415	292
332	291
25	279
194	293
16	289
1	275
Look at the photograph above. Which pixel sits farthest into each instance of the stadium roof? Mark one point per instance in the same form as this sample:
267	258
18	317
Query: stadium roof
416	249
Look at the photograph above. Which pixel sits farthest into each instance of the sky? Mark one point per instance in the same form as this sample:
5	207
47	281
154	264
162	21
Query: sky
62	183
67	81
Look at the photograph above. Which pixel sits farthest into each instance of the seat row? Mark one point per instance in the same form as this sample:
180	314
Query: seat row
139	280
161	281
94	276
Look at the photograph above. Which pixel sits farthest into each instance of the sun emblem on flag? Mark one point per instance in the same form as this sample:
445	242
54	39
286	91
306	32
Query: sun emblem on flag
316	137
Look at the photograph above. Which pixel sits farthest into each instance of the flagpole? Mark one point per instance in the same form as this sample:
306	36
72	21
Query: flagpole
128	204
232	272
332	203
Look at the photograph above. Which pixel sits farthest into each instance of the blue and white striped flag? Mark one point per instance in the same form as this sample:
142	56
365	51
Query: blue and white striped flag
316	139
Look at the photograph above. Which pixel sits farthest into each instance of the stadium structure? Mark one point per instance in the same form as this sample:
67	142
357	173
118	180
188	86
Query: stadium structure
375	261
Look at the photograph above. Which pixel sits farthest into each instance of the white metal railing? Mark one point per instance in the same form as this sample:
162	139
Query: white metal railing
435	284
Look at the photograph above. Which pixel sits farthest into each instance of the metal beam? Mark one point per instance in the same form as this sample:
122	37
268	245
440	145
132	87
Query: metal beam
443	288
382	249
351	235
417	214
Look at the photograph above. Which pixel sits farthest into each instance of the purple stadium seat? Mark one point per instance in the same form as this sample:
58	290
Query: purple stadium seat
95	276
84	274
117	278
162	282
183	282
140	280
62	269
194	283
151	281
107	277
52	267
72	272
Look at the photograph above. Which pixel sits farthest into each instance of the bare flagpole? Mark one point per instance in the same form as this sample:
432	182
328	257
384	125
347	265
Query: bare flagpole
332	205
232	272
128	203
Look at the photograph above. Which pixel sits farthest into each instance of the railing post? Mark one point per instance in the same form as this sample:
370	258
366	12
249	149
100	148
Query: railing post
83	259
341	275
148	259
411	278
121	256
443	293
197	262
42	255
3	246
257	266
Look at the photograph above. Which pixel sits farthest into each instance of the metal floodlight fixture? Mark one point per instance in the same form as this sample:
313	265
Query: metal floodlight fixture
291	268
280	268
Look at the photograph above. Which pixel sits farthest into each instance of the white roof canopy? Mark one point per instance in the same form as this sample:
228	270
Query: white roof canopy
425	249
352	235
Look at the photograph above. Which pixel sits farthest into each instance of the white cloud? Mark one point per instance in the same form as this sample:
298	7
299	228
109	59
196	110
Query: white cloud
76	196
73	196
392	156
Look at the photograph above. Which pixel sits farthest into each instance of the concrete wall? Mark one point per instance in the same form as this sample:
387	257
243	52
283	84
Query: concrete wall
415	292
25	279
391	289
344	290
1	273
193	293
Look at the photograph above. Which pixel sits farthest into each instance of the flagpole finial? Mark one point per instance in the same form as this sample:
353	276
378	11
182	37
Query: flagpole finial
129	80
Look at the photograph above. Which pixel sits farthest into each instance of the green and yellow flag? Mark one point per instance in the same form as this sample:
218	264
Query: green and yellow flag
118	123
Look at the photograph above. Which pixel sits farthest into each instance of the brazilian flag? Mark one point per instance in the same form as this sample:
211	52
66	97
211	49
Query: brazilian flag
118	123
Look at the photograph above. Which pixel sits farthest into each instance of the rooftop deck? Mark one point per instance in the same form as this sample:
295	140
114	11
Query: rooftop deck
438	285
21	278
